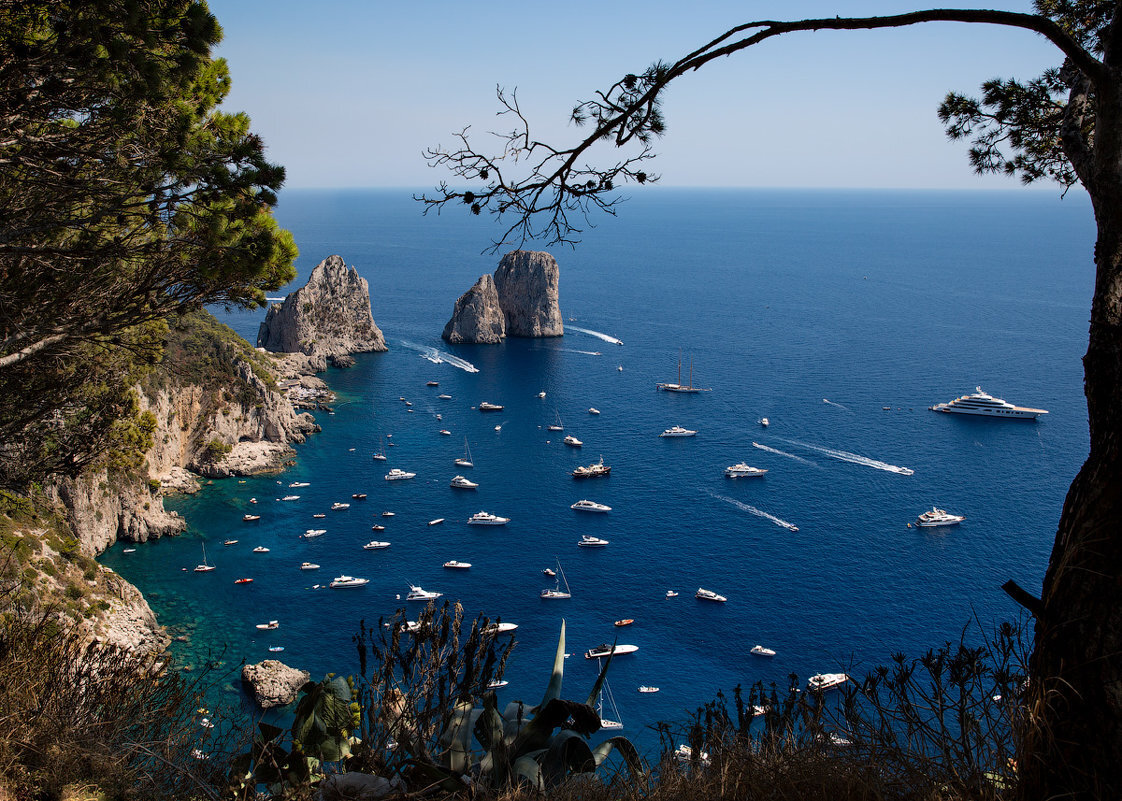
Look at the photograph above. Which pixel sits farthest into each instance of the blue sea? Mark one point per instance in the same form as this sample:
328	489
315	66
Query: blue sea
839	315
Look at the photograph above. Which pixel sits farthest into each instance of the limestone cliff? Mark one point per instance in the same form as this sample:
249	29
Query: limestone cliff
520	301
527	283
477	317
328	318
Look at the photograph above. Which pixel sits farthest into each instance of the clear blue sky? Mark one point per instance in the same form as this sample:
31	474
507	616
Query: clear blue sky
347	93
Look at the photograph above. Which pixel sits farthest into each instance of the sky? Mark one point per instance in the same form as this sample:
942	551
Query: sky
349	93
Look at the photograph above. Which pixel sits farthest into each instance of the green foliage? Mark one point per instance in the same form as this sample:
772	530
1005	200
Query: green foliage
216	449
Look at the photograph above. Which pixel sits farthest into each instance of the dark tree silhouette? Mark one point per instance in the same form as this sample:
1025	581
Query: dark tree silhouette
1066	126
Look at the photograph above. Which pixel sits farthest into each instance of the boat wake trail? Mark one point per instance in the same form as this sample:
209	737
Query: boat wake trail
784	453
585	352
855	458
757	512
827	400
597	334
440	357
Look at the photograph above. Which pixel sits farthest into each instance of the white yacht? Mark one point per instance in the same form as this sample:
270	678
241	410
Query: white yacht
270	626
309	566
338	507
314	532
678	431
593	410
459	482
590	506
291	498
826	681
387	514
938	517
760	650
490	407
485	519
985	404
454	565
541	394
375	545
743	470
444	396
603	649
418	594
764	422
671	594
436	522
558	426
445	432
572	441
397	474
591	542
260	549
250	518
348	581
643	688
500	628
593	470
708	595
300	484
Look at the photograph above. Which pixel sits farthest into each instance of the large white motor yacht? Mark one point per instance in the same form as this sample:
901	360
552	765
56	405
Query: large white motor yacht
348	581
490	407
708	595
743	470
938	517
572	441
591	542
459	482
375	545
604	649
486	519
985	404
826	681
418	594
761	650
397	474
590	506
678	431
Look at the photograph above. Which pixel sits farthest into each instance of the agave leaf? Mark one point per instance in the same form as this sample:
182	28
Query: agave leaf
629	753
553	689
489	730
527	770
592	696
568	753
515	717
456	739
537	733
447	780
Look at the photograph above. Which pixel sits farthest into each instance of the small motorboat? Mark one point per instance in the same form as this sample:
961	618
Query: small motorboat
500	682
387	514
627	621
643	688
300	484
291	498
272	624
319	515
276	649
593	410
454	565
760	650
314	532
549	571
445	432
260	549
243	581
359	496
377	527
309	566
375	545
230	542
432	383
444	397
253	500
671	594
436	522
335	507
250	518
133	550
764	422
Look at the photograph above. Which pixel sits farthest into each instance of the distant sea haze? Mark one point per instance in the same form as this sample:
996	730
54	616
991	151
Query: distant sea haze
839	316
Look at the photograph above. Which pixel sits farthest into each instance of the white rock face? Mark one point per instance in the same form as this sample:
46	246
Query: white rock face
274	683
328	318
477	318
527	282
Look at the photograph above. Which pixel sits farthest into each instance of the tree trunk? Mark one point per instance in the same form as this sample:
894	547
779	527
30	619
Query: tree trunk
1072	748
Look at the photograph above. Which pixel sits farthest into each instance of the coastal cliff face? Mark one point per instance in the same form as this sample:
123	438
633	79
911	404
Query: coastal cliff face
477	317
527	282
520	301
328	318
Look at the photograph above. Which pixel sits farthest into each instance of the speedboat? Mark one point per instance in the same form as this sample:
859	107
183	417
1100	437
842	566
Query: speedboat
133	550
377	527
375	545
314	532
272	624
982	403
490	407
291	498
459	482
627	621
572	441
938	517
454	565
243	581
300	484
593	410
549	571
397	474
276	648
436	522
500	628
604	649
253	500
485	519
432	383
444	397
743	470
684	754
678	431
760	650
335	507
541	394
418	594
589	506
359	496
230	542
319	515
593	470
708	595
348	581
764	422
826	681
250	518
260	549
591	542
309	566
446	432
387	514
671	594
643	688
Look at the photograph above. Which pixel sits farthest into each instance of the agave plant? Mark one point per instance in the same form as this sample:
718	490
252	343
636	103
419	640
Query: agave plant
540	746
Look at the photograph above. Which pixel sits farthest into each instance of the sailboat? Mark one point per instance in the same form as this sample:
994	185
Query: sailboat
556	591
680	387
558	426
607	723
204	567
465	460
381	454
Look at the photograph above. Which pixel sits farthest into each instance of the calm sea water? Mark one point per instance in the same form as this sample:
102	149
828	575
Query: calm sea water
814	309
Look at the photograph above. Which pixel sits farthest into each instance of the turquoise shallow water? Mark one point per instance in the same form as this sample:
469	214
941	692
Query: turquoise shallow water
815	309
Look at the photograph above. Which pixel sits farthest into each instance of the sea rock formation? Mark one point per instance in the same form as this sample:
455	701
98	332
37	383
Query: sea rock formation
520	301
273	683
527	283
477	317
328	318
